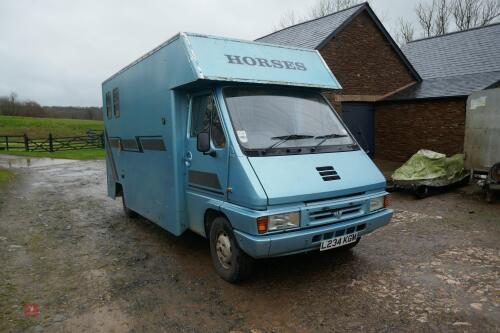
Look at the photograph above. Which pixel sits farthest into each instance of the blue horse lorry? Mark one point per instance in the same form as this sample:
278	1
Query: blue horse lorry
234	141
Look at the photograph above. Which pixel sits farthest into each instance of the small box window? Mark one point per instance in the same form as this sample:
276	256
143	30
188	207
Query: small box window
109	112
116	103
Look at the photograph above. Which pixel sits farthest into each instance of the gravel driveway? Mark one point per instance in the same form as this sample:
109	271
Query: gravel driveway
68	249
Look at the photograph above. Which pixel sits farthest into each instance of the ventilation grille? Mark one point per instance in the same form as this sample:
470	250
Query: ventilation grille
328	173
339	213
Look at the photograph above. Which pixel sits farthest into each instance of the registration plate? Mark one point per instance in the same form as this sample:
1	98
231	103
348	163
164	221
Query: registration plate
338	241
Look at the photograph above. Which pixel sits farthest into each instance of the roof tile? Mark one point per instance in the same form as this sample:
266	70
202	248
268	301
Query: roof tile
447	86
310	34
465	52
454	64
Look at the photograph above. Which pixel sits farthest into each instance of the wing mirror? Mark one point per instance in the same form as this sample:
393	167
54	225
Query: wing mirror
203	144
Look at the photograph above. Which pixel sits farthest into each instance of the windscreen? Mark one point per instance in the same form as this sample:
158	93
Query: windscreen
283	118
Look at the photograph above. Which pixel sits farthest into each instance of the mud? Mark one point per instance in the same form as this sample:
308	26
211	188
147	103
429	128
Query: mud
69	249
11	161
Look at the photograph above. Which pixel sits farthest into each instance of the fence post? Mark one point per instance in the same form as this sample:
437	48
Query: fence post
51	147
26	143
7	142
102	140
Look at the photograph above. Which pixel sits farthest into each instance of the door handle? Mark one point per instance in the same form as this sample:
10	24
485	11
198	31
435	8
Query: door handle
187	158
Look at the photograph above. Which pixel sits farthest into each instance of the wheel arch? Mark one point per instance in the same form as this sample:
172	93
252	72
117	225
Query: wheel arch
118	190
210	215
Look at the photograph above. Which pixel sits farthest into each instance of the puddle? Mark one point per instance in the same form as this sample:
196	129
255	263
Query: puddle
15	162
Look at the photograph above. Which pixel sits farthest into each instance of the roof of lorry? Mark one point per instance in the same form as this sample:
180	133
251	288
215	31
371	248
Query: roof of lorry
226	59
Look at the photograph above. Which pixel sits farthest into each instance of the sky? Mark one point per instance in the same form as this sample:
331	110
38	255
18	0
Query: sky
58	52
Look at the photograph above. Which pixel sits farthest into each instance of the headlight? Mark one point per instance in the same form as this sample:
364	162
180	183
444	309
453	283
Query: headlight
283	221
278	222
376	203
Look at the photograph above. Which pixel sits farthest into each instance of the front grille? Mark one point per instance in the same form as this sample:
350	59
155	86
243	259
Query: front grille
340	213
328	173
338	233
357	194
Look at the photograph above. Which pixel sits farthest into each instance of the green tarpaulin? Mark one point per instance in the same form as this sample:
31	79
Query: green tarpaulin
431	166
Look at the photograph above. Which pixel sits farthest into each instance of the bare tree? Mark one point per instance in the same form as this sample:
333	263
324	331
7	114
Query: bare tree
326	7
343	4
435	17
287	19
319	9
425	15
322	8
490	11
13	97
406	31
465	13
474	13
442	17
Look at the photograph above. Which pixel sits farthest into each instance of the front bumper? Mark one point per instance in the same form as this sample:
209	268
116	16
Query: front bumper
308	239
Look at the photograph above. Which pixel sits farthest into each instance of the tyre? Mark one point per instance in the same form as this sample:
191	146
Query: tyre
489	195
422	191
465	181
230	262
128	212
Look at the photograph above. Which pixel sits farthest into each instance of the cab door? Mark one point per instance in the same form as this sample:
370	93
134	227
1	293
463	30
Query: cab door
206	173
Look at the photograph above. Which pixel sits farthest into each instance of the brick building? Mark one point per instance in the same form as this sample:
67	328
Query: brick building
399	100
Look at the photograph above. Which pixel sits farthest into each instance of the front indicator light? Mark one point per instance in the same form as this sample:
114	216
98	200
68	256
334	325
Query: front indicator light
262	224
387	201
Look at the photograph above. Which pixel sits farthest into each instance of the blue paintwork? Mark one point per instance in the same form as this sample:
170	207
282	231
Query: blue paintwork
155	94
243	218
300	240
209	60
294	177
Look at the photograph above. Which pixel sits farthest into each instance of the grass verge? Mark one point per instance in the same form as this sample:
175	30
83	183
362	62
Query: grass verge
41	127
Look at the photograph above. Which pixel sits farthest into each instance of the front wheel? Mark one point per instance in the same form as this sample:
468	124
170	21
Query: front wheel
230	262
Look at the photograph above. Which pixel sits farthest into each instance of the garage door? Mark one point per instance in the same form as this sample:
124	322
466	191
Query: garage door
359	119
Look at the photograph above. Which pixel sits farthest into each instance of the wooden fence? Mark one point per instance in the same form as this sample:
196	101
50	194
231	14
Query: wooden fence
93	139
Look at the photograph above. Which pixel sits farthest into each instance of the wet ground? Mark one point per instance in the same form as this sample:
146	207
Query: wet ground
68	249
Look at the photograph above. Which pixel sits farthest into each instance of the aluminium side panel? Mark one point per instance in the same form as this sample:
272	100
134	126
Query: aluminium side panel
150	134
482	129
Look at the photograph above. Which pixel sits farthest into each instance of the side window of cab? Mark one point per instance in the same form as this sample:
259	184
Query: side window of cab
205	118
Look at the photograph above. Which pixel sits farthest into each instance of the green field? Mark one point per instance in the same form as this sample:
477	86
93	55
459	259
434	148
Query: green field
41	127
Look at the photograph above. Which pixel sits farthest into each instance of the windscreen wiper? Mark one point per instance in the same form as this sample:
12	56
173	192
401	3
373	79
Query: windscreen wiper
326	137
285	138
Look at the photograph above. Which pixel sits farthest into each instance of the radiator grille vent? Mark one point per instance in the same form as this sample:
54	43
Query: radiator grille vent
328	173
